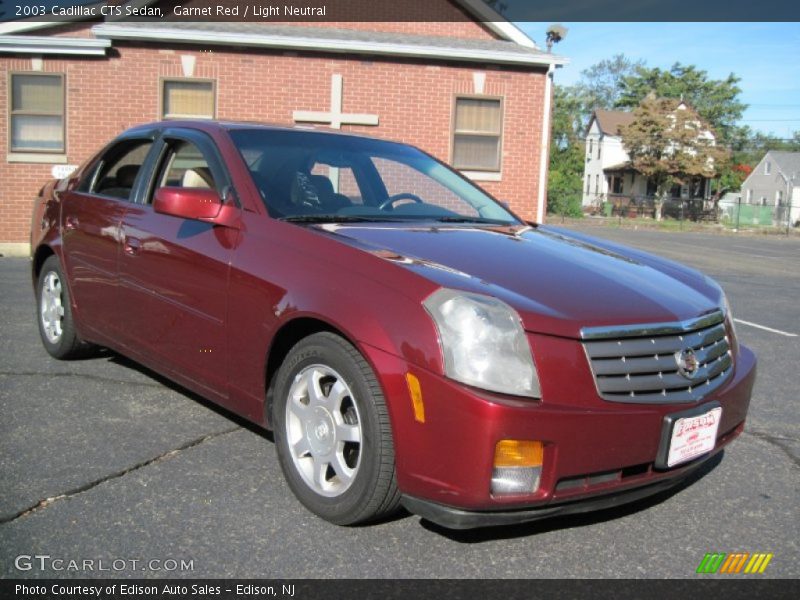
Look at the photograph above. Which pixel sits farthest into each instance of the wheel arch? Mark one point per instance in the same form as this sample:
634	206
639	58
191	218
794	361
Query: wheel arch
289	334
42	253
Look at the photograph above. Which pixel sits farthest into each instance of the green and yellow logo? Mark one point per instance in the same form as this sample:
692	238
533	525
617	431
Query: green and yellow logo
736	562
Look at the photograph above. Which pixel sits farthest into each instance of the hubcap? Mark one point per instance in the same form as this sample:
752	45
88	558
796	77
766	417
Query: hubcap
323	430
51	309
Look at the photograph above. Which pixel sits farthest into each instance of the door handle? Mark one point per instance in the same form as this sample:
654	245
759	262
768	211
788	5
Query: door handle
132	246
71	223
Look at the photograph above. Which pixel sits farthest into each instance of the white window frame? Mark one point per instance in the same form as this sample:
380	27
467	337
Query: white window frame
32	153
162	88
453	133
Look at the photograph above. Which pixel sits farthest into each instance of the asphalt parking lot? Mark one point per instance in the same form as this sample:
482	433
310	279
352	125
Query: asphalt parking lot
101	459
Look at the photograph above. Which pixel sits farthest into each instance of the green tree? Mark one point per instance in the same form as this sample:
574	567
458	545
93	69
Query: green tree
564	183
569	118
669	145
600	85
715	100
566	153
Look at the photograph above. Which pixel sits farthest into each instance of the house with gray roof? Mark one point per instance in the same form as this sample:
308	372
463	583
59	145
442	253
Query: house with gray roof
775	181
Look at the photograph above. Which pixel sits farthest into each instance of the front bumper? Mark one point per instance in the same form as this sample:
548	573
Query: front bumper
456	518
596	453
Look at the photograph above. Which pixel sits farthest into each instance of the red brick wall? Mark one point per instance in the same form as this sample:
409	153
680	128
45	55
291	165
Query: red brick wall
414	103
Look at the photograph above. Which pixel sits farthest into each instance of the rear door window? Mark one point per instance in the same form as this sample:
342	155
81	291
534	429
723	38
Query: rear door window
117	171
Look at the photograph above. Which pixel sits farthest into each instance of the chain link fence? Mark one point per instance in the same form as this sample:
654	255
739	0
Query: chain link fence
737	214
729	212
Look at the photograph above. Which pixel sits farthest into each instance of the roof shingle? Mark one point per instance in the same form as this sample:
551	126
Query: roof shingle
354	40
787	162
610	121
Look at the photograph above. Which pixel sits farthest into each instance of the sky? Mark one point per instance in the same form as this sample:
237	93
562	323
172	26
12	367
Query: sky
765	55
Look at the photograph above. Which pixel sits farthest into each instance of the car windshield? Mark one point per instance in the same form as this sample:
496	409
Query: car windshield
308	176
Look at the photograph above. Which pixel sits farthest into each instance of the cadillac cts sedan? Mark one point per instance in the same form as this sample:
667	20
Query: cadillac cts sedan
407	338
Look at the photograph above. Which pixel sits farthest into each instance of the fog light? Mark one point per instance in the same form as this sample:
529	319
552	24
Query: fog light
517	467
515	480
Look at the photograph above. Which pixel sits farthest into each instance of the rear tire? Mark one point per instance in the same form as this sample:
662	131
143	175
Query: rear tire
332	432
54	313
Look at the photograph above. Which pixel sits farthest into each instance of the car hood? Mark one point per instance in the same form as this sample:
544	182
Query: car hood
558	281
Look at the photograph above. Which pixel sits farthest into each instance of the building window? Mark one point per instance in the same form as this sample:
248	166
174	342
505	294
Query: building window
477	133
188	98
749	196
588	183
597	184
591	149
36	112
779	198
767	168
599	146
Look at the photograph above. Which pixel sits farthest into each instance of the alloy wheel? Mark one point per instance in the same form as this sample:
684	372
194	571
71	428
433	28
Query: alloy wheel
324	431
51	309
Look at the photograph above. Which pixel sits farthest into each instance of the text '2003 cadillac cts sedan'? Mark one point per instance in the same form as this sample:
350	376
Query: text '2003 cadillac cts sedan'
407	338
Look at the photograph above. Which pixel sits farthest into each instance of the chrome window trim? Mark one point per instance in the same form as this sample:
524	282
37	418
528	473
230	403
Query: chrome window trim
646	329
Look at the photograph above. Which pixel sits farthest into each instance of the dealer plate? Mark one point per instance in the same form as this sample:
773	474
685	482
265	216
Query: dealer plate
693	436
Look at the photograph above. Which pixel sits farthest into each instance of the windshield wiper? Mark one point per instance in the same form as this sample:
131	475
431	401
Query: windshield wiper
473	220
333	219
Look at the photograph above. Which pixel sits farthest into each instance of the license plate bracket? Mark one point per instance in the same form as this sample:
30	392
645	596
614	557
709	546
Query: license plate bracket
688	435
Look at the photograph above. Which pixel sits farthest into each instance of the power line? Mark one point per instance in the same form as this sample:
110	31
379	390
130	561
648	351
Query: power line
775	105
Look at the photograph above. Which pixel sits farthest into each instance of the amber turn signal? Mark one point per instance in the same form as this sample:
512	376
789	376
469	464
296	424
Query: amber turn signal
518	453
415	391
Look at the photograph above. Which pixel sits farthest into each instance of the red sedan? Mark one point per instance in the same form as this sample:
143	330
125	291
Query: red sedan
407	338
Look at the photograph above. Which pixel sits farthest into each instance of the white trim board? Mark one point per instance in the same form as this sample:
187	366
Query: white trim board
496	23
298	42
31	44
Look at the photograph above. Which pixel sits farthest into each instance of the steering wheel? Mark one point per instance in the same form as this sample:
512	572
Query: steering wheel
401	196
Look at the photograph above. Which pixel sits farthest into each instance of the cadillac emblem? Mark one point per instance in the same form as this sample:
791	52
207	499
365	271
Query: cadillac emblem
687	363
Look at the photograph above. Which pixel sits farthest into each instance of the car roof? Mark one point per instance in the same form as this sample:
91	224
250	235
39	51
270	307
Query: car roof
212	124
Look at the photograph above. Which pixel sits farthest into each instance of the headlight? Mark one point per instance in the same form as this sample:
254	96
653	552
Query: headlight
726	307
483	342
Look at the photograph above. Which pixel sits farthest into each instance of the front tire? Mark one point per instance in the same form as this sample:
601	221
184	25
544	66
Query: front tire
54	312
332	432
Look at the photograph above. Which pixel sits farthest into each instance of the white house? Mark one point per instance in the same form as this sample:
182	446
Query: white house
604	155
608	174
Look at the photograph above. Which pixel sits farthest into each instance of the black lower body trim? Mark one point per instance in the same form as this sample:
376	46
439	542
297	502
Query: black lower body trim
456	518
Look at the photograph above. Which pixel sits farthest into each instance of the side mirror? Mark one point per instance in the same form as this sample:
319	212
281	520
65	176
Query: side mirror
189	203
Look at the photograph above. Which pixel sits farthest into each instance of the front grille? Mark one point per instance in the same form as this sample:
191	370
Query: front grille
640	363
